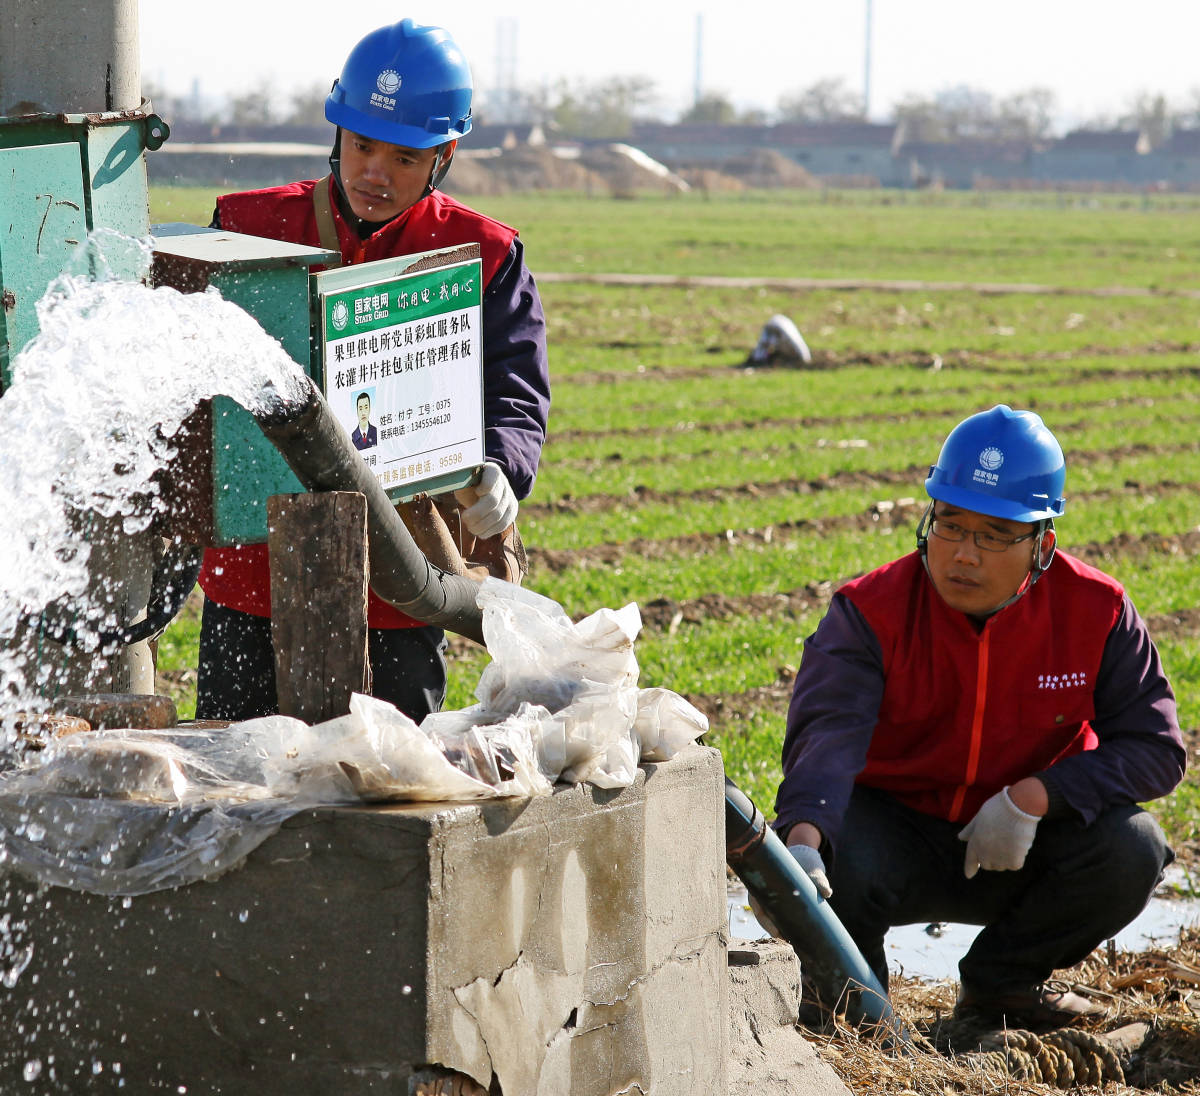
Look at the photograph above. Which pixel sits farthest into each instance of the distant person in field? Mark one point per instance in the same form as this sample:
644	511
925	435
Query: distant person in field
365	436
400	106
972	729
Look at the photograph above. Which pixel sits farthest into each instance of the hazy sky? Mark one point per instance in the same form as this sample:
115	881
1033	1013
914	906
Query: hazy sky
1095	56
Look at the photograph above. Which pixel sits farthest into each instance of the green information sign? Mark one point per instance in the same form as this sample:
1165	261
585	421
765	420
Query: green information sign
401	354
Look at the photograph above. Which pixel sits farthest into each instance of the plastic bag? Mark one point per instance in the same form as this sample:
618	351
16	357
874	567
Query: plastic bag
666	723
374	753
597	726
178	767
127	812
583	674
541	657
500	754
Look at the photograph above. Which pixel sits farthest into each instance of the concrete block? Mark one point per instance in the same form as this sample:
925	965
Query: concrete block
574	943
767	1052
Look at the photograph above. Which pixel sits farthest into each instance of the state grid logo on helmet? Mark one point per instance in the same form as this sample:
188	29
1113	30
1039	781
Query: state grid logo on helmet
388	83
991	460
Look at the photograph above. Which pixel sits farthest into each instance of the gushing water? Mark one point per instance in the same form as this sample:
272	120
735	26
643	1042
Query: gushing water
97	398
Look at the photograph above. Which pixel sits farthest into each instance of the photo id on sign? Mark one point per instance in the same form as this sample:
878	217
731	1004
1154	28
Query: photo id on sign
402	366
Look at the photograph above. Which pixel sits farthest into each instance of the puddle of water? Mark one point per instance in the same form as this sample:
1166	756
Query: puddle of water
914	952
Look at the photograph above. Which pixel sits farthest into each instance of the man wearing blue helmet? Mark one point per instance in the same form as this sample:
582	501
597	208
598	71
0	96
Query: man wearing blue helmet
972	729
400	105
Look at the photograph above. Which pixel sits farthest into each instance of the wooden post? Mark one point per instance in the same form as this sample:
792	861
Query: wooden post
317	545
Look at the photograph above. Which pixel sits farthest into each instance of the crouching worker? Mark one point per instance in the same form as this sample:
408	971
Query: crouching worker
972	729
400	105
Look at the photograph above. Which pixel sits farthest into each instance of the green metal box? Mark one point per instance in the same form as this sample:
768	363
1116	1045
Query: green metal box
227	468
61	176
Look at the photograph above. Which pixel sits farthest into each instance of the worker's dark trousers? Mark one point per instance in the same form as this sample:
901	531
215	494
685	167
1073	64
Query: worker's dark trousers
236	673
1080	886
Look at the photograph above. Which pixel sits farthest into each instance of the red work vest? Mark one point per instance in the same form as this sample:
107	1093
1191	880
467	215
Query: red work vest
965	713
239	578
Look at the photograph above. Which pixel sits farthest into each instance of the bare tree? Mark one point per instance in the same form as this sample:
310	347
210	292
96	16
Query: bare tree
828	100
1027	115
256	105
306	107
533	106
1188	115
605	109
1149	113
717	108
963	112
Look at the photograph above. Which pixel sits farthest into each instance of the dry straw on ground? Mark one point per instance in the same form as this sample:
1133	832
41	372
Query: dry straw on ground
1150	1042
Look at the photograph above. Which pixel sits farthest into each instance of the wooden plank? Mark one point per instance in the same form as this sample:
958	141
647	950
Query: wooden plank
317	547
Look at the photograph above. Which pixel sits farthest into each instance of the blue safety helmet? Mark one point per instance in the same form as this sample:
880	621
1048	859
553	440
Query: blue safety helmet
1001	462
405	84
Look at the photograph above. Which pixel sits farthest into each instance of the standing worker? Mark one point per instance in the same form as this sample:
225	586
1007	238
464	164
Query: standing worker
401	104
972	729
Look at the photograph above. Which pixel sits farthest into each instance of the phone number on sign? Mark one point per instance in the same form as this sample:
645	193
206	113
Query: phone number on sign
433	420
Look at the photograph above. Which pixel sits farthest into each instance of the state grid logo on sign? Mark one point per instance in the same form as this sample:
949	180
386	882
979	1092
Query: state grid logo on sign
341	315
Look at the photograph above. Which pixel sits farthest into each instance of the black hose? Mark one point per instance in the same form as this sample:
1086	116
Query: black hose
173	580
830	960
319	451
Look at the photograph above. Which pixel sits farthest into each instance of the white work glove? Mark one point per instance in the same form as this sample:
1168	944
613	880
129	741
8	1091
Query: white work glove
998	837
814	867
489	505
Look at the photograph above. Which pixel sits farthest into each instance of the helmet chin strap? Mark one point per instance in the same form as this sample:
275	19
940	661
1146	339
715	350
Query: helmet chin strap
441	164
1038	568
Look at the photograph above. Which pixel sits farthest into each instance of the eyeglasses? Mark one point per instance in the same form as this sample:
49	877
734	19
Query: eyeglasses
989	542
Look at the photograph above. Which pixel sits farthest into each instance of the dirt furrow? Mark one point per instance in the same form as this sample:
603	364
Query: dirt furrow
664	615
885	285
808	422
802	446
724	710
911	478
924	359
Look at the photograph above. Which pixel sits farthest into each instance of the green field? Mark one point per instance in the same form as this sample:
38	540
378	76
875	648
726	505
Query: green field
674	476
1068	240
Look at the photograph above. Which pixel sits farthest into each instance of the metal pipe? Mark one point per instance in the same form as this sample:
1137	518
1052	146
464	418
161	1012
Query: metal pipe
830	960
57	57
320	452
